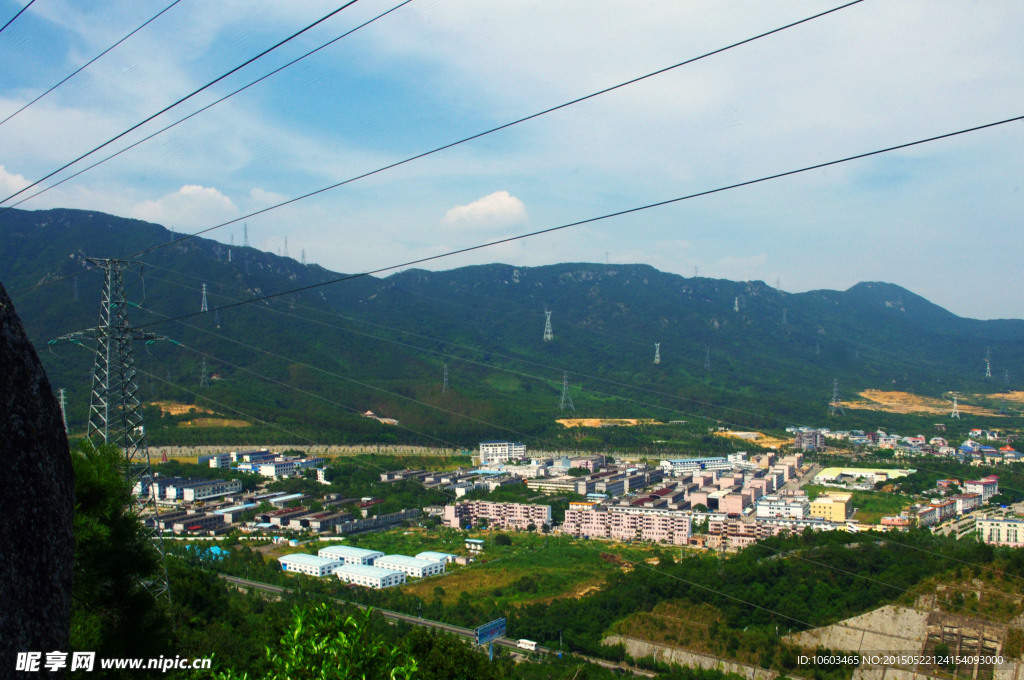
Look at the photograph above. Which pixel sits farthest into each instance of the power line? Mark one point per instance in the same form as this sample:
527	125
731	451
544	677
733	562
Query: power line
421	155
209	106
507	125
589	220
181	100
90	62
20	11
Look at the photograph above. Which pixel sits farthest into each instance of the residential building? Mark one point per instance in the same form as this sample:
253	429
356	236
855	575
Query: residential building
986	487
678	466
498	515
809	440
501	452
792	506
834	507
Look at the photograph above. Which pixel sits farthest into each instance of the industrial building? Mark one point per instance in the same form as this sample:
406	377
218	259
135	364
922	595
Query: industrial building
409	565
311	565
348	554
371	577
441	557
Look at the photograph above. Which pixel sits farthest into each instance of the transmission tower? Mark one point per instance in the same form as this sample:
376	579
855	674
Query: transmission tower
216	317
835	406
245	235
784	310
956	411
286	246
817	348
707	359
63	409
1006	377
204	378
548	335
444	387
657	352
229	249
736	304
115	411
204	307
303	256
988	362
566	401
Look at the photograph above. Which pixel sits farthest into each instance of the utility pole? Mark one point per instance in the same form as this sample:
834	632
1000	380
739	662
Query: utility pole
115	410
566	401
63	409
835	406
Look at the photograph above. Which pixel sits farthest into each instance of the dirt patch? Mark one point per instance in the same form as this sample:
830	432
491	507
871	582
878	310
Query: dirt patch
1008	396
759	438
215	422
907	403
172	408
606	422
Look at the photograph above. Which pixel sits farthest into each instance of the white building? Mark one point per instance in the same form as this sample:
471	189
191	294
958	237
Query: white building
1001	531
678	466
371	577
790	507
502	452
410	565
432	556
311	565
985	487
348	554
212	488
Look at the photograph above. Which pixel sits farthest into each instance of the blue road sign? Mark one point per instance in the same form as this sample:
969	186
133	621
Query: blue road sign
490	631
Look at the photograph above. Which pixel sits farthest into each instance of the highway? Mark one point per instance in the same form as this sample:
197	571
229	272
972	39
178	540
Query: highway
467	633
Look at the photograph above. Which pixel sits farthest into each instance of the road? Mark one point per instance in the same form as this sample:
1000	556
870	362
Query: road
467	633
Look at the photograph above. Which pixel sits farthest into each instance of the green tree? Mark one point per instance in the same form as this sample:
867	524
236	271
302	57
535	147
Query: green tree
112	611
325	644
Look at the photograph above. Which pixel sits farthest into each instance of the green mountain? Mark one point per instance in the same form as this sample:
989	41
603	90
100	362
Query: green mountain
311	362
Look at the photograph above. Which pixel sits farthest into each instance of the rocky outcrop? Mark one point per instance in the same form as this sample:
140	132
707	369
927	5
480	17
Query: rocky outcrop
36	503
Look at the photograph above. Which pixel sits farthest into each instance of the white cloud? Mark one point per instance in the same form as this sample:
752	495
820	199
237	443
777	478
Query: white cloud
500	209
10	182
192	206
265	198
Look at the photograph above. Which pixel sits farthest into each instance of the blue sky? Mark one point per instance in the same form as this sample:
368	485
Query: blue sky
942	220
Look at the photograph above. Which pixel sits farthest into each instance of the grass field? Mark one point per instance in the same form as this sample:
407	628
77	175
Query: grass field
871	506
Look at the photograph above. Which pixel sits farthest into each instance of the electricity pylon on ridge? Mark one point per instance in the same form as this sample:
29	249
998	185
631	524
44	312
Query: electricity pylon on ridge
566	401
835	406
115	410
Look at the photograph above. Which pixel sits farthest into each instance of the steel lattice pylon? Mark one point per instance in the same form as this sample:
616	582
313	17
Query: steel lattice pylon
115	410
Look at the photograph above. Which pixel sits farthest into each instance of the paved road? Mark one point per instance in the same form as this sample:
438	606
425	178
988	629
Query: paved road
467	633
